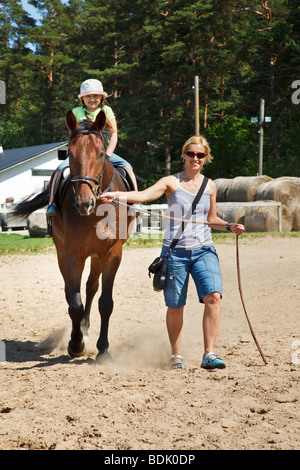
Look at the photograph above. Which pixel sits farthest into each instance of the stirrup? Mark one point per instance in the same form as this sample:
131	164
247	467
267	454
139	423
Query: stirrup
52	210
49	228
179	364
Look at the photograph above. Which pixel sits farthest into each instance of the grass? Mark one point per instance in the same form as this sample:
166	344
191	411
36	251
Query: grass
16	244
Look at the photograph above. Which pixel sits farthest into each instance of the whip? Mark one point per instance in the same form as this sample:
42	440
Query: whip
242	299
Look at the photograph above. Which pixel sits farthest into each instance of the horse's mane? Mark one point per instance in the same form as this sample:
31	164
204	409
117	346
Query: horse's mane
84	128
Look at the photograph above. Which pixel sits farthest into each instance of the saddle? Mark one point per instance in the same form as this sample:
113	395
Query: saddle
125	179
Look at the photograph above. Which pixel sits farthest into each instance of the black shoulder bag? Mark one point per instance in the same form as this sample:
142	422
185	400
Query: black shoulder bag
160	264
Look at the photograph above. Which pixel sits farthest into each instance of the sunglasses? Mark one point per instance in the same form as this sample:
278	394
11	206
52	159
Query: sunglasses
191	154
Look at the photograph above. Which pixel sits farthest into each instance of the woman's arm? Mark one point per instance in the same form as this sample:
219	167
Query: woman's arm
113	139
163	186
216	222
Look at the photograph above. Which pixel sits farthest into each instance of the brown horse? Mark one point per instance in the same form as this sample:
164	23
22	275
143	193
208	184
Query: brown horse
84	227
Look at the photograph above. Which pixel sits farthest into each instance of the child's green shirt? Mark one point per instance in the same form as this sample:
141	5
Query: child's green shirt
81	116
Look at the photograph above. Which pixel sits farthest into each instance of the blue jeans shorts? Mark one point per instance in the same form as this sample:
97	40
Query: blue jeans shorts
204	267
114	159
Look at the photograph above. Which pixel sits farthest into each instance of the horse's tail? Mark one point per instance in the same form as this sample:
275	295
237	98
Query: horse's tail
31	203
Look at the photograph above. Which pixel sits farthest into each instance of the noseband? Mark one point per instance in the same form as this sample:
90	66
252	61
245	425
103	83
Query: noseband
86	179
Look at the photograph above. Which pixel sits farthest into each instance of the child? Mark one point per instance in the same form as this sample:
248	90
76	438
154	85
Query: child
93	101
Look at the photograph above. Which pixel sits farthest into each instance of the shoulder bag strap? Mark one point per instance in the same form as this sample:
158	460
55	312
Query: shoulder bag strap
191	210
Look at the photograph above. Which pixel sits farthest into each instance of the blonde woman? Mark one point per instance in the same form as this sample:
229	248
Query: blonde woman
194	253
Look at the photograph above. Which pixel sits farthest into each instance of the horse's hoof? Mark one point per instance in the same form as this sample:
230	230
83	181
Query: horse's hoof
103	357
73	353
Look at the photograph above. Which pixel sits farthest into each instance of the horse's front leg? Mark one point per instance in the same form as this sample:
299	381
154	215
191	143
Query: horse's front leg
92	286
73	274
110	268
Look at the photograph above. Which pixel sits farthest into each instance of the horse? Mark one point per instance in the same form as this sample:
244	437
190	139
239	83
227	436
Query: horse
85	228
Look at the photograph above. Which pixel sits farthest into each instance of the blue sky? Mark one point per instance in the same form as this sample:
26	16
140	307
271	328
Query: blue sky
31	10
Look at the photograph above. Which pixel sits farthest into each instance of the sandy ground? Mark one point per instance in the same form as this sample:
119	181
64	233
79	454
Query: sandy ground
49	401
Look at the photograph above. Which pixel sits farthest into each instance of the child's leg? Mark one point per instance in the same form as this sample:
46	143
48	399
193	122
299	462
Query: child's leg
120	162
51	211
132	176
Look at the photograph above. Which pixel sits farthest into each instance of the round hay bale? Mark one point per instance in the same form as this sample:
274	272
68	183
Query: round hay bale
265	219
243	188
37	224
222	187
232	214
290	178
285	191
296	220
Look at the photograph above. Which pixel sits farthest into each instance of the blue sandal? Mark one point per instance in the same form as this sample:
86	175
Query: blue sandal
52	210
177	362
211	361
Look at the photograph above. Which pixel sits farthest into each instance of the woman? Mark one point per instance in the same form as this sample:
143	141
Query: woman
92	98
194	253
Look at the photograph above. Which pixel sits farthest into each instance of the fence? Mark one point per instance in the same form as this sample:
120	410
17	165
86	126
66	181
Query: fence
154	225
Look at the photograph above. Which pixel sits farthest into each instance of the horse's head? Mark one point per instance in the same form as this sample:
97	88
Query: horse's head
87	157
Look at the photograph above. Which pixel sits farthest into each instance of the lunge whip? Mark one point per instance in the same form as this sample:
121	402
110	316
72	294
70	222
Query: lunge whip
242	299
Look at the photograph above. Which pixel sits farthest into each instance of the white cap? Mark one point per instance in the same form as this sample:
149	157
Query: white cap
91	87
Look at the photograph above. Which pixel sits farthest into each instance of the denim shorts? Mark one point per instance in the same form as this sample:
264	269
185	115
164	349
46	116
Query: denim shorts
204	267
118	161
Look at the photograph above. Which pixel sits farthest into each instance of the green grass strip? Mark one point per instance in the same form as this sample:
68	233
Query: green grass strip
16	244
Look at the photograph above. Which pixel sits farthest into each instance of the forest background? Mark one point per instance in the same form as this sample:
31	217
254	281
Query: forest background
147	54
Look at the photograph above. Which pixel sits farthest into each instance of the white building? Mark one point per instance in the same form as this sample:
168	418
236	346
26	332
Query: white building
26	170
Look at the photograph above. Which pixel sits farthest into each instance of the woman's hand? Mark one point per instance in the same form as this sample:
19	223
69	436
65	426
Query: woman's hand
110	196
238	229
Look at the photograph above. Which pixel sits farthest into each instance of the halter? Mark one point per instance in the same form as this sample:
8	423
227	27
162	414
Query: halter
86	179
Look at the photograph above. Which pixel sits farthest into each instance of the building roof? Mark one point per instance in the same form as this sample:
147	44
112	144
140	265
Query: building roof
13	157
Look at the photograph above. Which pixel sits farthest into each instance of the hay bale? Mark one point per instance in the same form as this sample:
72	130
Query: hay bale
243	188
296	218
37	224
222	187
265	219
232	214
290	178
296	211
285	191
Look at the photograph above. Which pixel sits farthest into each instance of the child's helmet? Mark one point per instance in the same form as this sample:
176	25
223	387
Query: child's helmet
91	87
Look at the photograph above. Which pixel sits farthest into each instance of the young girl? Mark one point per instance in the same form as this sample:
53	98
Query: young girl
194	253
92	99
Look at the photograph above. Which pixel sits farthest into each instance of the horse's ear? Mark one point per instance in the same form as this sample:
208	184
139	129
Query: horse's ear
100	121
71	121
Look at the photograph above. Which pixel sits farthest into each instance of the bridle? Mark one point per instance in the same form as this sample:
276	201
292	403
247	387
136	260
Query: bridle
86	179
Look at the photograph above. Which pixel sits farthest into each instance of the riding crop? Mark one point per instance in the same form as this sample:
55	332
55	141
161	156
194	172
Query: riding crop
242	299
